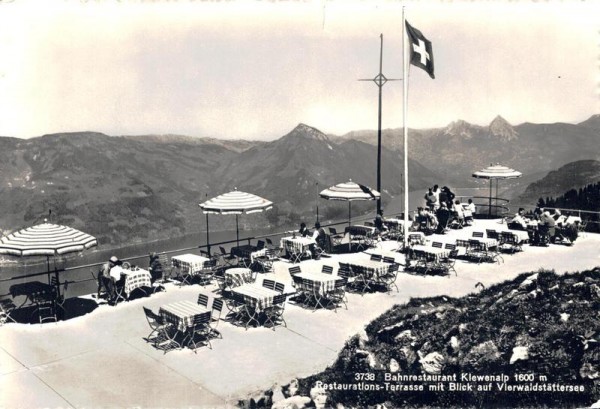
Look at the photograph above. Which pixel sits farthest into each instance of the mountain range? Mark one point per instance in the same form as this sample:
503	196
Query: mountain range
137	188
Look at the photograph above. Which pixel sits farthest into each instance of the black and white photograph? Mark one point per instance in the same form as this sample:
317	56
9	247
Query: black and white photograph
299	204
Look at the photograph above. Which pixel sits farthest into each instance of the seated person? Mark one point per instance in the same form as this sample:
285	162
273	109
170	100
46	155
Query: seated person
518	221
458	213
303	231
106	280
443	215
321	240
432	221
421	218
380	226
155	267
470	208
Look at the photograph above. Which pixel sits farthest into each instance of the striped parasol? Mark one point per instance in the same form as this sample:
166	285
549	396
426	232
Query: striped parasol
496	172
46	240
234	202
350	192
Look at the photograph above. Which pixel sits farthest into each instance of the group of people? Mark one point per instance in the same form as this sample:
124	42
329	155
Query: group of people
435	197
321	239
443	210
544	227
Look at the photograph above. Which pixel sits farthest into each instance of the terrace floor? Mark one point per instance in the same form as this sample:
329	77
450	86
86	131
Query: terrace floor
102	360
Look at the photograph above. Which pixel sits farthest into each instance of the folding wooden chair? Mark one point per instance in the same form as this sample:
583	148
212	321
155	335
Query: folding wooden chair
336	238
228	259
6	308
376	257
294	270
270	284
274	313
215	317
327	269
203	300
157	326
279	287
337	296
200	328
266	261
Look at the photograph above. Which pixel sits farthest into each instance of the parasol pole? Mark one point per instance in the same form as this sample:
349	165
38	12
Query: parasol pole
349	221
490	206
207	232
237	230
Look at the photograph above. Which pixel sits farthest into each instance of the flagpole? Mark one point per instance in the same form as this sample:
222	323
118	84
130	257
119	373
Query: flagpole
404	115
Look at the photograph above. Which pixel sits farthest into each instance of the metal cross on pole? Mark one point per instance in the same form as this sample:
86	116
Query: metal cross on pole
380	81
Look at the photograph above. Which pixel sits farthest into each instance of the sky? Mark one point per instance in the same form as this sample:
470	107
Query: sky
255	69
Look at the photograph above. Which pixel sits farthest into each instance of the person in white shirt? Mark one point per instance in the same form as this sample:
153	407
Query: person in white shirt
518	221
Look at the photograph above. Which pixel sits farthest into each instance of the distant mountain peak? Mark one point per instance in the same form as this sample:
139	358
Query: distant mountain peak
306	131
459	128
501	128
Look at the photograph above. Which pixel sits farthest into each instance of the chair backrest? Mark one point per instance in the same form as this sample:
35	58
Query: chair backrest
223	251
327	269
269	242
203	300
260	244
279	287
449	246
370	224
437	244
376	257
332	231
270	284
462	243
508	237
201	319
344	270
492	234
390	260
340	283
453	253
217	307
394	268
297	281
164	261
475	245
279	299
151	316
478	234
294	270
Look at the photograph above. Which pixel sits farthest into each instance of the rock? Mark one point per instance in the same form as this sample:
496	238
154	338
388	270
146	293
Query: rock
554	288
405	336
595	290
462	328
363	354
579	285
432	363
595	405
293	402
564	317
390	328
529	281
363	339
409	355
293	387
454	343
519	354
277	394
394	366
319	397
587	371
481	355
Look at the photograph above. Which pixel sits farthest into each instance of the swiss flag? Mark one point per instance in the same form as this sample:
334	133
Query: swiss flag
421	53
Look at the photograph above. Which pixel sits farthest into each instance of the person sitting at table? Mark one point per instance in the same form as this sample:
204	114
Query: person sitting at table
156	270
379	224
470	207
106	280
321	240
303	231
518	221
459	214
